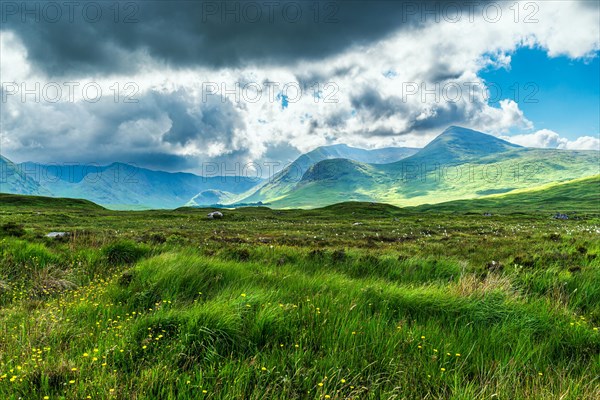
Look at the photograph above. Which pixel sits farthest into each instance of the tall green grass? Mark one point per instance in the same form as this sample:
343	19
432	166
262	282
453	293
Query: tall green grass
182	323
299	305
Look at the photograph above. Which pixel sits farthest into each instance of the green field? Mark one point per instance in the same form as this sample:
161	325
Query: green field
352	301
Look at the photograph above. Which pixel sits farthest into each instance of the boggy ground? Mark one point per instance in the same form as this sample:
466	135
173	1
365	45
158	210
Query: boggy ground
355	301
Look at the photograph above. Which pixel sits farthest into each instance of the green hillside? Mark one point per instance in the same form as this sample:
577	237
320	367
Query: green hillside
286	180
454	166
43	202
576	196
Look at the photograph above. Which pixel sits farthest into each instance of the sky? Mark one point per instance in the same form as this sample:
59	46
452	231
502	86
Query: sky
179	85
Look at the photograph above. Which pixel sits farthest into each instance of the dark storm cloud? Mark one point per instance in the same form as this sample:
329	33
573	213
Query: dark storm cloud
337	120
439	72
371	101
444	115
311	79
145	133
72	38
214	120
371	105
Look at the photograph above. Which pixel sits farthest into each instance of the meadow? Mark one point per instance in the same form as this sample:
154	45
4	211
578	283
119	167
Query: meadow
353	301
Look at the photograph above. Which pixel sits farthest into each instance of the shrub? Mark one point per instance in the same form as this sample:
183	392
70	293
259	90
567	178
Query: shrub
157	238
338	256
238	254
124	252
13	229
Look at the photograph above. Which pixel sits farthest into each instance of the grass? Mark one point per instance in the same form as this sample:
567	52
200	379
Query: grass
352	301
579	195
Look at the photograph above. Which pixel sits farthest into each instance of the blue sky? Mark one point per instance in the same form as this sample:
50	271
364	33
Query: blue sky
568	98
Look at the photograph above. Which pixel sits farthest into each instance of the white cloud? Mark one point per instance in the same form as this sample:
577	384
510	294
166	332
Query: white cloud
582	143
13	58
546	138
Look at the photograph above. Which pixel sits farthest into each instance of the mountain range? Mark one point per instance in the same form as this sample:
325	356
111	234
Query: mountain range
459	164
115	186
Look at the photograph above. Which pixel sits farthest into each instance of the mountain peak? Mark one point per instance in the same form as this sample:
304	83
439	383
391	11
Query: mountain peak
472	137
457	143
463	133
453	128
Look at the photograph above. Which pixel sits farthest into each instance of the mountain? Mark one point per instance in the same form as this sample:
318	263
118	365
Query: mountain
117	186
13	180
458	164
576	197
458	144
286	180
375	156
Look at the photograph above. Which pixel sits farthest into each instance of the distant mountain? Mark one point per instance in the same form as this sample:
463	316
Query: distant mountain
458	164
384	155
286	180
13	180
117	186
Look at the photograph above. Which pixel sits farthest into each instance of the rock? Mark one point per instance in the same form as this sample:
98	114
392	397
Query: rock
56	235
357	223
487	214
495	266
215	215
560	216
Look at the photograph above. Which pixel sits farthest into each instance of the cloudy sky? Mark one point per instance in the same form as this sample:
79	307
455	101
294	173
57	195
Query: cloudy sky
173	85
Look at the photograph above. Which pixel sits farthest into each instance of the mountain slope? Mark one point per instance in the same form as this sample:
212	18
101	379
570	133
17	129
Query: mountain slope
13	180
286	180
576	196
459	164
